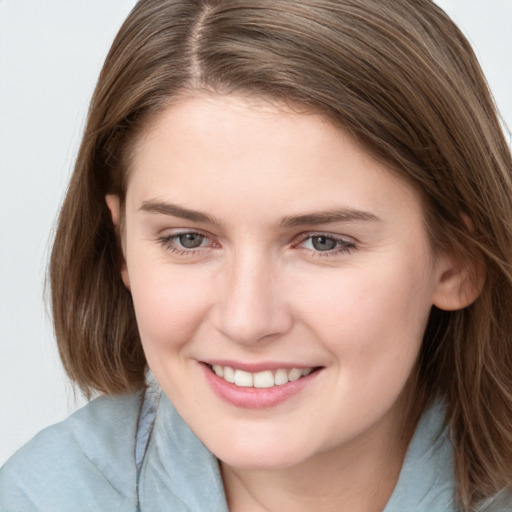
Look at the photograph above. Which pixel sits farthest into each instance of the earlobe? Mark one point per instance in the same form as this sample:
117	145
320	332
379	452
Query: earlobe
114	205
459	285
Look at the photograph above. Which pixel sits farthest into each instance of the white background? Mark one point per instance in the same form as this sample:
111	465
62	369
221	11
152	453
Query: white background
51	52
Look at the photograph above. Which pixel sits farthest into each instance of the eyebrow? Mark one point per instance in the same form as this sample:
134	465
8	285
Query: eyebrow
178	211
327	217
309	219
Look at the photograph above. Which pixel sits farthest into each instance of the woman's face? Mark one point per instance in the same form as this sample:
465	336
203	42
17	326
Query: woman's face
268	246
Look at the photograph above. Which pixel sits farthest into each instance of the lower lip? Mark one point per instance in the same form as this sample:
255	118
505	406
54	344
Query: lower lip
256	398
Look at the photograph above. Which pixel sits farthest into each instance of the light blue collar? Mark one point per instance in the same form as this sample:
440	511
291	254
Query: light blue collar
426	481
179	473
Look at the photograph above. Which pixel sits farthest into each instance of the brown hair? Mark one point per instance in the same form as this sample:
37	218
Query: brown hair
404	81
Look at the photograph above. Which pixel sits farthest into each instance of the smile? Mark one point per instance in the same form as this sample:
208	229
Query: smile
267	385
263	379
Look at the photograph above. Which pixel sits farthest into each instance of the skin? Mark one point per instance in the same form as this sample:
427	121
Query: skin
258	290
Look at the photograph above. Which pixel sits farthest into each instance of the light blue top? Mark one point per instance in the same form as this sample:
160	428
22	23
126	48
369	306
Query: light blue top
133	454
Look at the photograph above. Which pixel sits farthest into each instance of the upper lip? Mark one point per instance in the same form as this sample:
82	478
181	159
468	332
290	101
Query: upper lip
256	367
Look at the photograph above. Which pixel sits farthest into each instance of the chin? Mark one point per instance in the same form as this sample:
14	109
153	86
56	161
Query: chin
260	455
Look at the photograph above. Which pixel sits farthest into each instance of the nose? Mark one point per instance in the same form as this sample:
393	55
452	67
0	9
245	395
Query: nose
251	305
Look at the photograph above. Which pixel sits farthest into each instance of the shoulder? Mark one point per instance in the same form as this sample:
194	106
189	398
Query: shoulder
84	463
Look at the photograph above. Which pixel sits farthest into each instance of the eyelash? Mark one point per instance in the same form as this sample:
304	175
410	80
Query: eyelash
343	245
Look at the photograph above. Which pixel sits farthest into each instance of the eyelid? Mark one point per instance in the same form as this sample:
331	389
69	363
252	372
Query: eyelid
311	234
183	231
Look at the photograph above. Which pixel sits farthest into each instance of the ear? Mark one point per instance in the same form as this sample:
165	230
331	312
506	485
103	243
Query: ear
114	205
460	282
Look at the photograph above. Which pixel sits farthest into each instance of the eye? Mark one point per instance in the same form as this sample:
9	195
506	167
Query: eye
185	242
323	243
190	240
328	244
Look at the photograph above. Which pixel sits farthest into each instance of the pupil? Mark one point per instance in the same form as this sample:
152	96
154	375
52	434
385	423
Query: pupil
322	243
191	240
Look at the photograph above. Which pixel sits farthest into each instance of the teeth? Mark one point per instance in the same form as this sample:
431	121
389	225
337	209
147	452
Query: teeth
243	379
229	374
264	379
294	374
218	370
281	377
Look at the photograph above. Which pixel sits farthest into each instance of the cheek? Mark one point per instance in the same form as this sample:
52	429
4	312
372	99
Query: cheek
169	305
375	319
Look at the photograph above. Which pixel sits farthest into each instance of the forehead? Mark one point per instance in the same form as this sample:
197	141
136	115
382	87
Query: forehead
238	149
211	116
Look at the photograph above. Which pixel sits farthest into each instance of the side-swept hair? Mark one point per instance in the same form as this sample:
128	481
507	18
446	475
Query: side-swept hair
403	80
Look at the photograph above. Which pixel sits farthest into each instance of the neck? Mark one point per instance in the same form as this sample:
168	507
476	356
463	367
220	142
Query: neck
358	476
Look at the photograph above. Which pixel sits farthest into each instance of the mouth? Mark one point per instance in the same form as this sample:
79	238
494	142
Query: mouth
268	385
262	379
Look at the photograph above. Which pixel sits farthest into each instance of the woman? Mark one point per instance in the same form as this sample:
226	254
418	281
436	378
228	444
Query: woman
297	215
